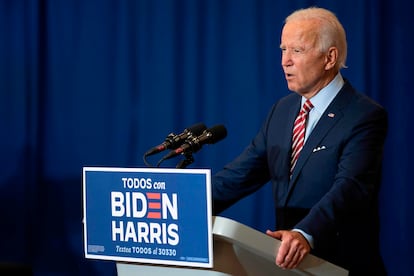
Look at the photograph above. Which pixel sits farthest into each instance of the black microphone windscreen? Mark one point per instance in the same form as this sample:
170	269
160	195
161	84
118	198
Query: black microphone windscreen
218	133
197	129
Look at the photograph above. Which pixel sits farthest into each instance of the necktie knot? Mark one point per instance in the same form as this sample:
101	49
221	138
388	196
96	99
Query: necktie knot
307	106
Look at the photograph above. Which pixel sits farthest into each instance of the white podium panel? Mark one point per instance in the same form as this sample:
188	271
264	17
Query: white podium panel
238	250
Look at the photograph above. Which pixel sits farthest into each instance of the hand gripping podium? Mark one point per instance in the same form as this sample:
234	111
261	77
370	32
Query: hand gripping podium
238	250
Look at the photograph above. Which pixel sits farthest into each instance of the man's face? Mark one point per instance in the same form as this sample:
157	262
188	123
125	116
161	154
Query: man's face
303	64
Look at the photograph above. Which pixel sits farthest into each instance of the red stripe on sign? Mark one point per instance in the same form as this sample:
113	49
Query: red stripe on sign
153	195
154	215
154	205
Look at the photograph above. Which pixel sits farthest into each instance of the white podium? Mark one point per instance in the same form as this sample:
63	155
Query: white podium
238	250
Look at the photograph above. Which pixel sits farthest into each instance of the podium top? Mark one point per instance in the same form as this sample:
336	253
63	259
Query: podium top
239	250
267	247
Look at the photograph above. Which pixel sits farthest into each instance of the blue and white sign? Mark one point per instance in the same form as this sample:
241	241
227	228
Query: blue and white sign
160	216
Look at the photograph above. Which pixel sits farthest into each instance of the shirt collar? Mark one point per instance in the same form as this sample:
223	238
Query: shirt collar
325	96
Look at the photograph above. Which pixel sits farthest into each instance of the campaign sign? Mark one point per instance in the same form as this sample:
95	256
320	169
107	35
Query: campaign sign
159	216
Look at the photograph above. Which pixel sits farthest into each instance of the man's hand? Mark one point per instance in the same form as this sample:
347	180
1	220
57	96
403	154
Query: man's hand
293	249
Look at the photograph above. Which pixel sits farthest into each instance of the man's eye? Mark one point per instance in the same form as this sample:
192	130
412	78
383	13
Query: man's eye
296	50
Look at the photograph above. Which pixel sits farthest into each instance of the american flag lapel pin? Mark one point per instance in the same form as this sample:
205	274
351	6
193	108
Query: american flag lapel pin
331	115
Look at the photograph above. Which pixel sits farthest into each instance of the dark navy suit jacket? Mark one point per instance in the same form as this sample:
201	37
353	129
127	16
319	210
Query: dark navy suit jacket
332	193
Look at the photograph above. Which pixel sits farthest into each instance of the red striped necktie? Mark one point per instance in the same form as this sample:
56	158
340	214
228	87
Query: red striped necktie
298	138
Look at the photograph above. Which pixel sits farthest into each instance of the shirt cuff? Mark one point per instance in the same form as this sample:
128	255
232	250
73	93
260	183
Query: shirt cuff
308	237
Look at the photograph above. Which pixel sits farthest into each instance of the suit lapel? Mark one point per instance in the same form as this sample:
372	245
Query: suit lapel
330	117
321	129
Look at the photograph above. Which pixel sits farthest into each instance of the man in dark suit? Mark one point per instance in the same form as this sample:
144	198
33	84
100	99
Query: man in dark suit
325	190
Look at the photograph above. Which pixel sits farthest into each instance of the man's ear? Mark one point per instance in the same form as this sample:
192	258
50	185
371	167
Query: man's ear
331	58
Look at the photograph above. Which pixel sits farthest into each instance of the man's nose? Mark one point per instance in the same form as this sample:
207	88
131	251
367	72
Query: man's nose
286	59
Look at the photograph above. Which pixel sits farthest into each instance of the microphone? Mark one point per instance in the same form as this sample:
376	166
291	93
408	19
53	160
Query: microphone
173	141
194	144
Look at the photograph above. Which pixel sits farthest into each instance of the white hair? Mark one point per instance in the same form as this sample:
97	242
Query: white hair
331	32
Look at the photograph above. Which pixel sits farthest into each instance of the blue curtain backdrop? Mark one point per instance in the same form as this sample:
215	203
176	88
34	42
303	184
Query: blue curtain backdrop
99	82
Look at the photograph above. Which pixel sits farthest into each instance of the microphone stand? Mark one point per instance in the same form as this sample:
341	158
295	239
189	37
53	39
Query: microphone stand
146	162
185	162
